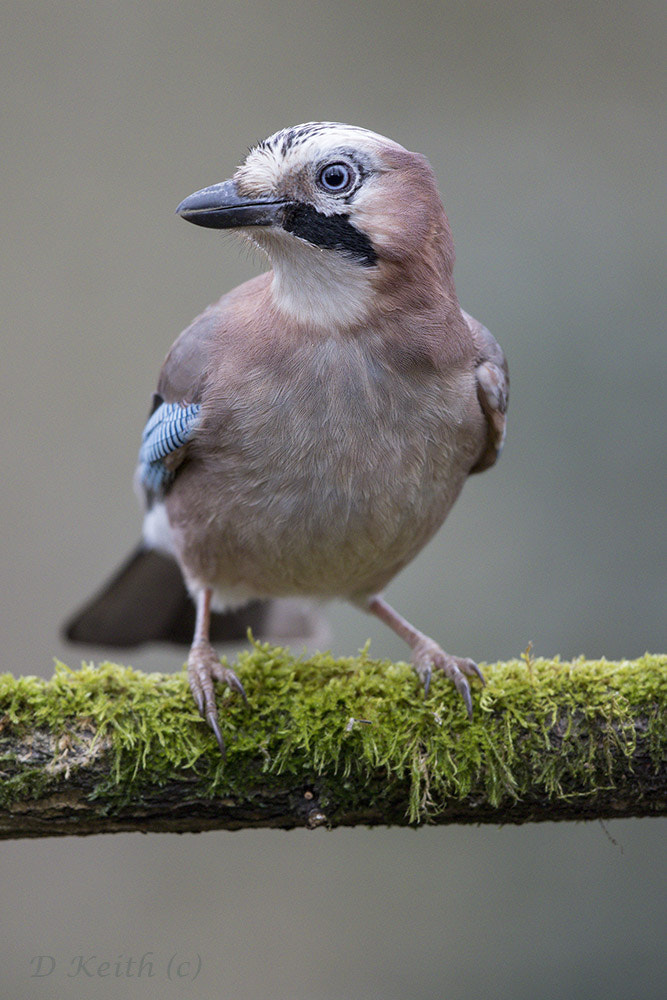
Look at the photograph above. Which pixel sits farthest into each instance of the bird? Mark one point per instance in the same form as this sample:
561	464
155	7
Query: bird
312	429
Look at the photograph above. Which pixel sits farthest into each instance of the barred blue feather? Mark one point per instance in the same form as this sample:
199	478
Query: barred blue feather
167	430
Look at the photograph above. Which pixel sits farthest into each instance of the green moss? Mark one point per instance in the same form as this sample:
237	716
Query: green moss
298	725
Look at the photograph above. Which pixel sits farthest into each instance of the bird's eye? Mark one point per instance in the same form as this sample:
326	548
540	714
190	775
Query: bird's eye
336	177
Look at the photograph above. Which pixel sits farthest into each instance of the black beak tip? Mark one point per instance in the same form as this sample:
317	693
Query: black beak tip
208	199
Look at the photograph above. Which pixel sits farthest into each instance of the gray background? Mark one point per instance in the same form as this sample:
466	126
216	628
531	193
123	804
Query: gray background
542	122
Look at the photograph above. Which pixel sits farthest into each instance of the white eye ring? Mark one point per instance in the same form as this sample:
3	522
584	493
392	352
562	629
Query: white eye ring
336	177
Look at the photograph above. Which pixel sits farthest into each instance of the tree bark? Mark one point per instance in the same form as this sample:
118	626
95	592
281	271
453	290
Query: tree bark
110	750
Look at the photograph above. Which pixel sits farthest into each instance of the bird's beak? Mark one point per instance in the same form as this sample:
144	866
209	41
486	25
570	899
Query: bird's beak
222	207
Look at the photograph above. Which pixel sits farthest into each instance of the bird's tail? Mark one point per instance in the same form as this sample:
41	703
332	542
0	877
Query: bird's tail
146	601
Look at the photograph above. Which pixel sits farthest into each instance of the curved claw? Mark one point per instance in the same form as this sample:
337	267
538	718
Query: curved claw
428	656
212	720
198	697
203	668
426	679
470	668
235	685
463	688
479	674
227	676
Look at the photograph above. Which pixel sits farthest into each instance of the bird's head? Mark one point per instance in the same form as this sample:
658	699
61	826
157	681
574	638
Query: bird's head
343	214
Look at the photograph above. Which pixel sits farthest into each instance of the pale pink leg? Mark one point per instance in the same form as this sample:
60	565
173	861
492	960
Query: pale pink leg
427	655
204	667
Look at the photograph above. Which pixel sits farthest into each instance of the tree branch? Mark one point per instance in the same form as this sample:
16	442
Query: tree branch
331	742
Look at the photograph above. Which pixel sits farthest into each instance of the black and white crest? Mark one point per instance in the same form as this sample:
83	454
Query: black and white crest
298	135
289	138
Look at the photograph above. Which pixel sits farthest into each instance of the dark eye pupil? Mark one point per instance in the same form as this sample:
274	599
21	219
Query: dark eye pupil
335	177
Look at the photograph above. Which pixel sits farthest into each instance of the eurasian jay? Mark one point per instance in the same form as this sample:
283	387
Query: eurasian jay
312	429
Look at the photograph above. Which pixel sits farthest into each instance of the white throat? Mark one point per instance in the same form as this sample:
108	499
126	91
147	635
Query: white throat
314	286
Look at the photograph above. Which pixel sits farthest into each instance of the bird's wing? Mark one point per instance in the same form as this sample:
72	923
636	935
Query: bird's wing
176	405
186	366
167	432
174	415
493	384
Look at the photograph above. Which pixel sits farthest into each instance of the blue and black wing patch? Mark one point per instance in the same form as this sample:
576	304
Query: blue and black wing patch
169	427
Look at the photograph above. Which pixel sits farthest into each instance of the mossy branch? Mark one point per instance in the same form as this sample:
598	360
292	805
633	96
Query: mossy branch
331	742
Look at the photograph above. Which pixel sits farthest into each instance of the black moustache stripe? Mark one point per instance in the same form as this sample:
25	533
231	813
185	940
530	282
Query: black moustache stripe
332	232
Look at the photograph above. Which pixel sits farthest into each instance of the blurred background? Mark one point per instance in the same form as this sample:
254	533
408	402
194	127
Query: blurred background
543	124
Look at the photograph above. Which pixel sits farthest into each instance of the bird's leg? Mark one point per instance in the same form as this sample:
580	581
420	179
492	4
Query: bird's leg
427	654
204	667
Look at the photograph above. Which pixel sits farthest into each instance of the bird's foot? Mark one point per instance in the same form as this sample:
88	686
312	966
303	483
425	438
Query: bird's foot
204	667
428	656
